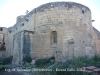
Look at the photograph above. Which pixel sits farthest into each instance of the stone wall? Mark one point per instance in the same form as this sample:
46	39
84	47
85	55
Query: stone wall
3	39
68	23
71	21
22	46
2	54
3	36
97	40
20	26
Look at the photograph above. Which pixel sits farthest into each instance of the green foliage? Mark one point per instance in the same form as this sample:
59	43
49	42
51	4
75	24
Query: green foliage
44	61
96	58
27	59
41	62
6	60
95	61
59	66
52	58
76	63
3	68
2	48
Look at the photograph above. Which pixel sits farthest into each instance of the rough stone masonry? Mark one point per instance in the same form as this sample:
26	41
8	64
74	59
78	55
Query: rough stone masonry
60	29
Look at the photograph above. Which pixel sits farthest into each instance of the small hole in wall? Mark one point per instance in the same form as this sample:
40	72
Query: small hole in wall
83	11
22	24
27	20
10	31
83	41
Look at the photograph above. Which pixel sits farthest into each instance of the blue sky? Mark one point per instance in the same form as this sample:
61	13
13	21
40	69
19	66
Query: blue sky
10	9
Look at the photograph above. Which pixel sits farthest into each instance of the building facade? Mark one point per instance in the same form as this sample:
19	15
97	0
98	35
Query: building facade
3	39
60	29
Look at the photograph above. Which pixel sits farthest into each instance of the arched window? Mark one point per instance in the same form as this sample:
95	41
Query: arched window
53	37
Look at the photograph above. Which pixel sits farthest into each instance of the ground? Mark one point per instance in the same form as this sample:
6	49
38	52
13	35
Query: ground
10	73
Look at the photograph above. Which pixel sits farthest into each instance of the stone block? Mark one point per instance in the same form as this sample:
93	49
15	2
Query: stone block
67	20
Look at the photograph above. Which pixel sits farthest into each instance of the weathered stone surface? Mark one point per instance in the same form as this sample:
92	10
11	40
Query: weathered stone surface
70	21
3	39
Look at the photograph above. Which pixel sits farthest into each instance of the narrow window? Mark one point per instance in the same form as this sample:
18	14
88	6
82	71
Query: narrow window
53	37
83	11
1	29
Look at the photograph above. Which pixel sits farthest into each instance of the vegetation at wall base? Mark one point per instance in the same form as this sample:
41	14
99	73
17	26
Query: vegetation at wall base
3	68
73	66
44	62
2	48
6	60
27	59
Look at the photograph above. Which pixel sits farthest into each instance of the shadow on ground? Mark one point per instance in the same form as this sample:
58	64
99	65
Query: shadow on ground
10	73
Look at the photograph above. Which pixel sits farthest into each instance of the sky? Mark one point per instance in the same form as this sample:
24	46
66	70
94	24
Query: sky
10	9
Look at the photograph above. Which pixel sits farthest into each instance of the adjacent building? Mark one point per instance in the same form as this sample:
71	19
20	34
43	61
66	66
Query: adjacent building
3	39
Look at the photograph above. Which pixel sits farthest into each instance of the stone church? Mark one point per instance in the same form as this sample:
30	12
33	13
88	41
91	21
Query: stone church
60	29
